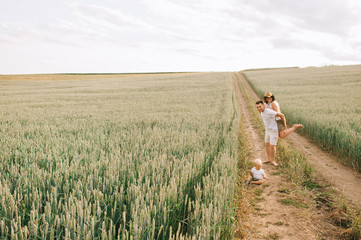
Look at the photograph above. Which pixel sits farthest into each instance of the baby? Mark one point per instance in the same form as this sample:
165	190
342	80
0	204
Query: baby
257	174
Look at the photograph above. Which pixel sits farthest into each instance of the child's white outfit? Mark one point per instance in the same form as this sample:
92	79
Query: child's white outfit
257	174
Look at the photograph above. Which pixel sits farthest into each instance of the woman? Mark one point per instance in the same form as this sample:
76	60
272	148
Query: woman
271	103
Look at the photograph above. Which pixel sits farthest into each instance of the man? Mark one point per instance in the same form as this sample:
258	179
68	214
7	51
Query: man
271	136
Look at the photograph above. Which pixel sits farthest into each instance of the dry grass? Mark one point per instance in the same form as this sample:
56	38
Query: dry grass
243	201
79	76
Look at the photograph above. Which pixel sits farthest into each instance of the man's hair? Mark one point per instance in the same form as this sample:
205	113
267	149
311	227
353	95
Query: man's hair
259	102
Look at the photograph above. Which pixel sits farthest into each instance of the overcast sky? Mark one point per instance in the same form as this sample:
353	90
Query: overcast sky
64	36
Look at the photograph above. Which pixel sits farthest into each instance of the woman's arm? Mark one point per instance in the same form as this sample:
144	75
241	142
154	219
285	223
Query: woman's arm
276	106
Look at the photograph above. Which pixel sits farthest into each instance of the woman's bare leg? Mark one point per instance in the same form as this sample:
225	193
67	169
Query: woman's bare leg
288	131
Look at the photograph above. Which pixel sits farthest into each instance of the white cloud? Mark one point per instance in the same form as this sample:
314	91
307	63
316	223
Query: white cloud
170	35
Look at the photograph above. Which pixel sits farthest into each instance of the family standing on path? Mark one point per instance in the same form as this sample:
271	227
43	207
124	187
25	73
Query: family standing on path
276	127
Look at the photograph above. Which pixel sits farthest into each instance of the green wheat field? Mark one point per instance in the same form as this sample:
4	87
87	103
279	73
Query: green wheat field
148	156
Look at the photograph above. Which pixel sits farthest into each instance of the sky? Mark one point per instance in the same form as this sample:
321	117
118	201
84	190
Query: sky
119	36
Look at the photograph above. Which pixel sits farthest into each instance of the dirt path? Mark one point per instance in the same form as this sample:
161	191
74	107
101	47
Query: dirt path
272	218
344	179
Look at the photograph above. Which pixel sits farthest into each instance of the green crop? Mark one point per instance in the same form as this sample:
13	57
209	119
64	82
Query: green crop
129	157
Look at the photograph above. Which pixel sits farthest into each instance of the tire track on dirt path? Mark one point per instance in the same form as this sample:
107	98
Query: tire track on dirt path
271	219
344	179
258	150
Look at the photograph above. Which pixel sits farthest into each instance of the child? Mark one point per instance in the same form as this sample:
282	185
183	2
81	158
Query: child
257	174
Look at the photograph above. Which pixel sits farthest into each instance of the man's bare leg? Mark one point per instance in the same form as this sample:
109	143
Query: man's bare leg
268	152
288	131
271	153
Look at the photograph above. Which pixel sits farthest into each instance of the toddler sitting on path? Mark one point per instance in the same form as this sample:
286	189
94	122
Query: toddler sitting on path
257	175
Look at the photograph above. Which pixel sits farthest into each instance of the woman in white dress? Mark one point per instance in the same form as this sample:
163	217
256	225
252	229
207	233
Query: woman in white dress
271	103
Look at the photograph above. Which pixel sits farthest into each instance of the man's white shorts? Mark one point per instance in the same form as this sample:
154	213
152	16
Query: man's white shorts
271	136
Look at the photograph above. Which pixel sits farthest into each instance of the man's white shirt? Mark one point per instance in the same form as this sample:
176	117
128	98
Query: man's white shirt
269	119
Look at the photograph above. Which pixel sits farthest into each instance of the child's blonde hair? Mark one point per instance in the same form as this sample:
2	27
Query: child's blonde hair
258	161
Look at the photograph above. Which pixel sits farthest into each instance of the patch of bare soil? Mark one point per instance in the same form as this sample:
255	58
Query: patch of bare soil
275	214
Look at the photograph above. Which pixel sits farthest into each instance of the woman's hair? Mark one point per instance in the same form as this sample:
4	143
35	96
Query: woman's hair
273	98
